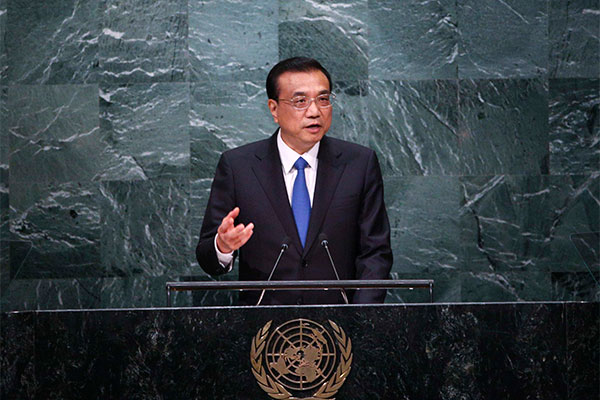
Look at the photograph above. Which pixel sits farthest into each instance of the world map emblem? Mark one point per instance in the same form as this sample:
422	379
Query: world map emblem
301	357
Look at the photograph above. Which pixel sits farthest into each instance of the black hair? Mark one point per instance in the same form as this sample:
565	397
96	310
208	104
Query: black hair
294	64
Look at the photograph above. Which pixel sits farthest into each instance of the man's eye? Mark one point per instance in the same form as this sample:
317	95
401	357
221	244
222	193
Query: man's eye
323	100
299	101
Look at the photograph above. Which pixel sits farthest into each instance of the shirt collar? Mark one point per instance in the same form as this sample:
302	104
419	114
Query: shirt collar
288	156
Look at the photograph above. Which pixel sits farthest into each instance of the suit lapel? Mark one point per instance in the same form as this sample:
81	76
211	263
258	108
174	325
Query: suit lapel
329	172
268	171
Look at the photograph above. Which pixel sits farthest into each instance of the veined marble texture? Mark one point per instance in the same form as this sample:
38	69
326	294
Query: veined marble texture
415	127
524	223
147	126
69	31
574	126
144	41
55	231
232	39
224	116
4	197
502	39
145	228
413	40
54	134
334	32
351	112
441	351
574	37
504	127
3	56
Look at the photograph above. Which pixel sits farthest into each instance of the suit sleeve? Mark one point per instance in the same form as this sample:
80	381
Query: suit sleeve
220	202
374	259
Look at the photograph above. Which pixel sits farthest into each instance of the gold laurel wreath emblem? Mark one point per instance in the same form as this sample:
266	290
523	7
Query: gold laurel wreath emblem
276	390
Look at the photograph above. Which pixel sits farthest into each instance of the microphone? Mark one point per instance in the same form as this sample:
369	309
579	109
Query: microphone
325	244
284	247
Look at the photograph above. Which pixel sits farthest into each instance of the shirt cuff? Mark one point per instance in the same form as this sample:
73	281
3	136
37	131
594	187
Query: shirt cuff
225	259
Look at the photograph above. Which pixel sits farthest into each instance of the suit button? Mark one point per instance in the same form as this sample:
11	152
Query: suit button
299	301
305	263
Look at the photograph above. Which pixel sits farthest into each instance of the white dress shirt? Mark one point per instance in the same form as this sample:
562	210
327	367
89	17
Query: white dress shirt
288	157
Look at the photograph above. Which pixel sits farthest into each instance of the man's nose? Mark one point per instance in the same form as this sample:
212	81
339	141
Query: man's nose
313	110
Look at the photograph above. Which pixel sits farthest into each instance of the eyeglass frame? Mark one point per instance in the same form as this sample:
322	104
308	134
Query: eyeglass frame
311	100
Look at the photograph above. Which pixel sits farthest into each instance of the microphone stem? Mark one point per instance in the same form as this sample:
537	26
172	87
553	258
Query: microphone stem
283	249
335	271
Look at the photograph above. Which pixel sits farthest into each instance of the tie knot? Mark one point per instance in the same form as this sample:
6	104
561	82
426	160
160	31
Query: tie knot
300	164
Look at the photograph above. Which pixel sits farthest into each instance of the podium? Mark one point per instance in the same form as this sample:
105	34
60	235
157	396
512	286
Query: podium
409	351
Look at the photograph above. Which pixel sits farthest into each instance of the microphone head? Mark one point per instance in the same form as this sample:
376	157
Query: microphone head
285	243
323	239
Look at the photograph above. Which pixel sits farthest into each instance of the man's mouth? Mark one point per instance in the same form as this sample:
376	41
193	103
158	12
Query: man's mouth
313	127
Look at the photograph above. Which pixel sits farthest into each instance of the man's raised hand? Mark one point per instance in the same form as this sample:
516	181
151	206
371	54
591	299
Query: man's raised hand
230	237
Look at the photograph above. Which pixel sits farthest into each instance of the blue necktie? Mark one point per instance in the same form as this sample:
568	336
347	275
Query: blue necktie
301	201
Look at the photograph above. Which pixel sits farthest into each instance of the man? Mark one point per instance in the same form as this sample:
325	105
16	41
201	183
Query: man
264	196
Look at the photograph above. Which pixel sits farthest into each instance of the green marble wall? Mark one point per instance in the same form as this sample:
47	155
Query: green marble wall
485	115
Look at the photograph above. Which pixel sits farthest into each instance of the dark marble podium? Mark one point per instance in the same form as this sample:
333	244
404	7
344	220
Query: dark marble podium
421	351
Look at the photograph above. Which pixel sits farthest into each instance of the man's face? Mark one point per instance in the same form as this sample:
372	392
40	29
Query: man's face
301	129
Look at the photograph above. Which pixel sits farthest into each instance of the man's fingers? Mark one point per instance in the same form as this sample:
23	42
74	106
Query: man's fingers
234	238
228	220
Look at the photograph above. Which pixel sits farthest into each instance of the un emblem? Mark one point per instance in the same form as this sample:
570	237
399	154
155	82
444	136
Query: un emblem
298	356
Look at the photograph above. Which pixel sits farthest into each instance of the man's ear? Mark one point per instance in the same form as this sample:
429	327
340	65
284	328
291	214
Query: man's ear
273	108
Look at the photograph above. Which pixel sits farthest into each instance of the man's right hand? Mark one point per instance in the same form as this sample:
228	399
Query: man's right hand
230	237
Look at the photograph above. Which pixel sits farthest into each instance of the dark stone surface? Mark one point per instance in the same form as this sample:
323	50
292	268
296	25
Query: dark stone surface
502	39
334	32
574	126
574	37
52	42
444	351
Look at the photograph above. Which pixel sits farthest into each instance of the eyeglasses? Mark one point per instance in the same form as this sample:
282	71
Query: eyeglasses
303	102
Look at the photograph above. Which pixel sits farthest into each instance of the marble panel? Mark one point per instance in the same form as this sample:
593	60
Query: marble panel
17	356
576	286
225	115
502	39
577	212
3	55
232	40
52	294
520	347
574	126
503	126
505	286
52	42
54	134
148	128
583	352
55	231
574	37
414	127
144	41
525	223
588	247
508	351
351	112
424	233
4	192
333	32
145	227
413	40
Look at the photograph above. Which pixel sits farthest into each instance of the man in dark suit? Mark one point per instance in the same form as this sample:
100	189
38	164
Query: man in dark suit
296	188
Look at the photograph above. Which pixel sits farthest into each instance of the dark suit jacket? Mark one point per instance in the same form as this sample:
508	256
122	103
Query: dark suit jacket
348	207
